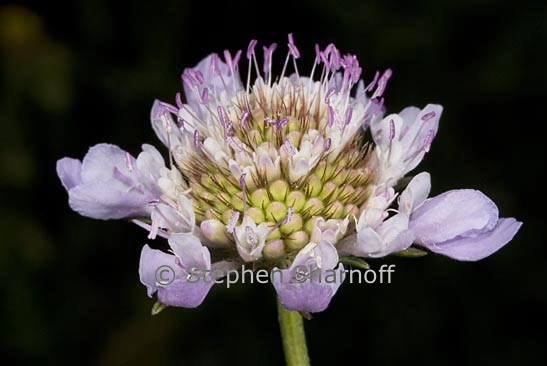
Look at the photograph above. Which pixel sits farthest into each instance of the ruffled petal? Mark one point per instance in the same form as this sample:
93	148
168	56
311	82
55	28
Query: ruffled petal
185	294
313	295
454	213
100	201
70	172
311	281
480	246
151	261
101	162
189	250
415	193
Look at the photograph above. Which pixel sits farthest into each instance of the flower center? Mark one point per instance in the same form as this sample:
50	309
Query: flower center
273	160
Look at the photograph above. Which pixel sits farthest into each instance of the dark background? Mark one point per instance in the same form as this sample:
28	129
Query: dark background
73	75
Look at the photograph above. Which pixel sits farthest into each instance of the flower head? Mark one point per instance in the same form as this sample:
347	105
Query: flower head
276	171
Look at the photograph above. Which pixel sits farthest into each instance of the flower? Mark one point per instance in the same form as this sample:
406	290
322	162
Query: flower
276	171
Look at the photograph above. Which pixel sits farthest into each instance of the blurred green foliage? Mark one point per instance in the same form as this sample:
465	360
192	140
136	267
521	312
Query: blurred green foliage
72	75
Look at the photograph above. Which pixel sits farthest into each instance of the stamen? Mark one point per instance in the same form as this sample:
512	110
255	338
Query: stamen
373	82
282	122
330	114
214	64
243	117
292	48
251	236
426	117
169	107
243	187
288	144
232	222
199	76
196	139
251	48
328	143
178	100
268	52
391	130
329	94
288	218
205	96
382	82
349	114
237	56
250	53
222	116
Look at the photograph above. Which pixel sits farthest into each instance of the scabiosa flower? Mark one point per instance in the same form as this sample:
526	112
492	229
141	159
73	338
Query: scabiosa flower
275	171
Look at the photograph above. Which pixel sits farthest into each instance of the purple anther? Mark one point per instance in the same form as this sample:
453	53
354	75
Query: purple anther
288	218
292	48
199	77
329	94
270	121
426	117
349	114
282	122
317	54
243	117
187	79
328	142
391	130
251	236
232	222
288	144
214	64
237	56
121	177
153	203
204	96
178	100
383	82
196	139
242	181
330	114
333	56
228	59
180	122
251	48
373	82
268	52
222	115
170	108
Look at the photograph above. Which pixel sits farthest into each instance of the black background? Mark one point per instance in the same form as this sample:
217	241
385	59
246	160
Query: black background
73	75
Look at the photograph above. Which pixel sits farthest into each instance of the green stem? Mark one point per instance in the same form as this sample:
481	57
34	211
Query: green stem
294	337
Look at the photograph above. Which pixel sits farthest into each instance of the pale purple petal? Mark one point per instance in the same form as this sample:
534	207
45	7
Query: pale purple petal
311	296
454	213
191	253
164	126
480	246
100	161
181	292
100	201
109	184
184	294
217	77
151	260
69	171
415	193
